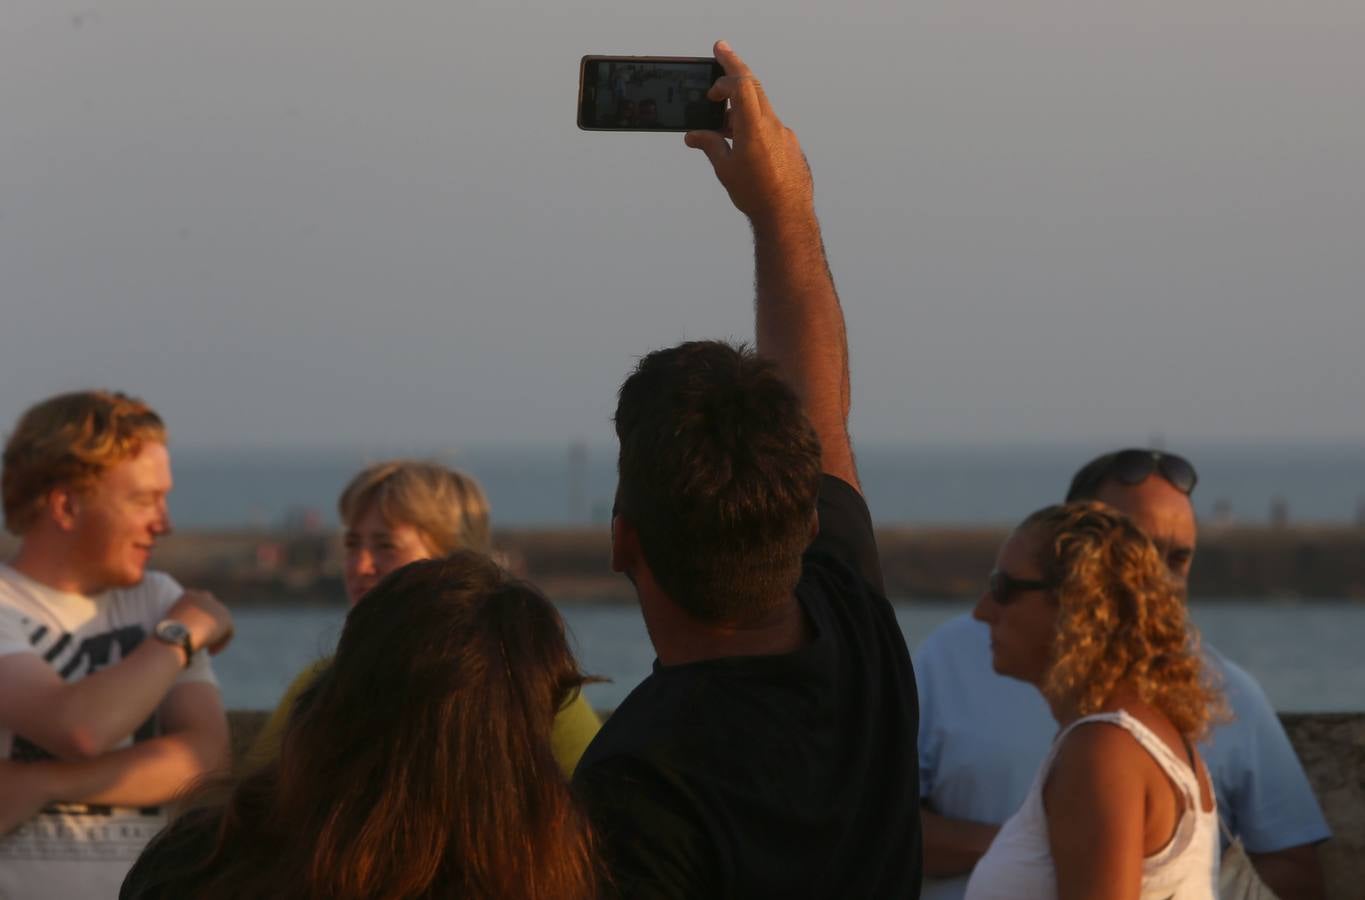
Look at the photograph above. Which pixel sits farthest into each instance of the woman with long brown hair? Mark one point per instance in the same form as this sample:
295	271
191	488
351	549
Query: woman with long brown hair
1082	606
417	764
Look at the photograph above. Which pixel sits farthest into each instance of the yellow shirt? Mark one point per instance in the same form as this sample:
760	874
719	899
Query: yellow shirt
575	726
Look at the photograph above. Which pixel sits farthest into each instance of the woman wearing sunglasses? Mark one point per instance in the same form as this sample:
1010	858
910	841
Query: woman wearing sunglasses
1082	606
398	512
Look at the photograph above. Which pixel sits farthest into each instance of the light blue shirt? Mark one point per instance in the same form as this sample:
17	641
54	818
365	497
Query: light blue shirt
982	737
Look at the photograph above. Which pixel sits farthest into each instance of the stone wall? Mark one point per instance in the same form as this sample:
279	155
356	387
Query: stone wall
1332	747
572	564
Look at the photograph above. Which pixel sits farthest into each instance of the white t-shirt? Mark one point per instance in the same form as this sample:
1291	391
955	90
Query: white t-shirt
73	850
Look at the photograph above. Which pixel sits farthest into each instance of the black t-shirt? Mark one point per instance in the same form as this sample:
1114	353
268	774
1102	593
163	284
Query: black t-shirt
793	775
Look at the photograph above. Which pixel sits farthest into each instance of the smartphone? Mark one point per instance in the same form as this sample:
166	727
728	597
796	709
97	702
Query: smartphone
648	93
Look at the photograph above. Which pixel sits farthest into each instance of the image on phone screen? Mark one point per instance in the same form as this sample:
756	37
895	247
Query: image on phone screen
648	93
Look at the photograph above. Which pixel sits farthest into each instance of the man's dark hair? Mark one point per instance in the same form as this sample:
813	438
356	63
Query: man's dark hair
718	473
1085	484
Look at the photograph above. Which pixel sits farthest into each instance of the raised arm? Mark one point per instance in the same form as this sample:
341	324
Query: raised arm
799	323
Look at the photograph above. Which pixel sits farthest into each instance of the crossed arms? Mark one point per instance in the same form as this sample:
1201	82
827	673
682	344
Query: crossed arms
80	722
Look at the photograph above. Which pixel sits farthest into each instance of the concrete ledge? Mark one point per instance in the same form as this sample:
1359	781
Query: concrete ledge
1332	749
1331	746
570	564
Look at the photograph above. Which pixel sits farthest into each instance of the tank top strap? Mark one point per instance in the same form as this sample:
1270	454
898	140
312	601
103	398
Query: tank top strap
1179	771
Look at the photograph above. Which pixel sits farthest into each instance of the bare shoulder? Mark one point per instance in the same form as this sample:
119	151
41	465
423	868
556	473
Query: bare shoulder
1103	756
1100	769
1097	756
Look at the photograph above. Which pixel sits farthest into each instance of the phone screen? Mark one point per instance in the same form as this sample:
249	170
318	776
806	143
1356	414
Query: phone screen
648	93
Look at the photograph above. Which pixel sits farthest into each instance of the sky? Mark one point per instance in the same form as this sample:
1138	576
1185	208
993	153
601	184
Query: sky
327	222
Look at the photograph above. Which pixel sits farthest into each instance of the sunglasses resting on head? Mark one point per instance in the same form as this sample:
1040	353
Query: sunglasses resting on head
1133	466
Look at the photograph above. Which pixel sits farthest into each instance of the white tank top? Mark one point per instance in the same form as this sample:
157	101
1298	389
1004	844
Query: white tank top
1019	861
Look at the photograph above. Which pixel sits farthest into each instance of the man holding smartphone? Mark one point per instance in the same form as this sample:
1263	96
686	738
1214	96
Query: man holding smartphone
771	752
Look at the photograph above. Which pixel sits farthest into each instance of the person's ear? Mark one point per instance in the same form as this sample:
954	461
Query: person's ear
63	506
625	545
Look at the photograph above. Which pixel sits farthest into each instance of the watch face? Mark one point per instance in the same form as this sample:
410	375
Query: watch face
172	632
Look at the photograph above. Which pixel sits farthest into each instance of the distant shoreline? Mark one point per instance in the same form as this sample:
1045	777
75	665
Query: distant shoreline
260	567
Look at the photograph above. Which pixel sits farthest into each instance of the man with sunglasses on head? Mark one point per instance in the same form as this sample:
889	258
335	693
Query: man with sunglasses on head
983	737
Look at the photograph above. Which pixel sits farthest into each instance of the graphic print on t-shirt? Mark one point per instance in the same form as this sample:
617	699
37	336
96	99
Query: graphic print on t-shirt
74	661
70	831
73	849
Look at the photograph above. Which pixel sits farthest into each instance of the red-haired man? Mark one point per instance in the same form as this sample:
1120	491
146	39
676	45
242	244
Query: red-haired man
108	707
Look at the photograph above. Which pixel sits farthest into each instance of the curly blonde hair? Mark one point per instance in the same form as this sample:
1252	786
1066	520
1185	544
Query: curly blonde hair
1121	617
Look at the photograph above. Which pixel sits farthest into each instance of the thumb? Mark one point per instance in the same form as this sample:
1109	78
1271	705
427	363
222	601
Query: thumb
716	148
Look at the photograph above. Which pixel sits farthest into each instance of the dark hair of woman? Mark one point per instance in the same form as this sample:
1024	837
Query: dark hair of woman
418	765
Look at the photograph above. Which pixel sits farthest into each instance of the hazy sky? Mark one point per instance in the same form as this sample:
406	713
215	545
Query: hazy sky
312	221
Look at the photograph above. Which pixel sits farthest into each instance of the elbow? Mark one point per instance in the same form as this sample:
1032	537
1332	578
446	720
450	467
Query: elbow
70	733
75	744
212	753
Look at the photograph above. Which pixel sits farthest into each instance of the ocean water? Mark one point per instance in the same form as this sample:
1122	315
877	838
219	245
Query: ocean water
573	484
1305	655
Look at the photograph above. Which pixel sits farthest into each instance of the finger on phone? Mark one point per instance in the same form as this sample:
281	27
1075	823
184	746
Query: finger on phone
712	143
744	93
729	60
746	97
723	88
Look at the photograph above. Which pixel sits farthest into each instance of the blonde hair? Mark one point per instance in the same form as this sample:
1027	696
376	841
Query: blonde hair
1121	618
70	440
447	507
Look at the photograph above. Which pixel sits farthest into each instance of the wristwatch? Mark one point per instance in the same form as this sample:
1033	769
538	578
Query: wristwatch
174	632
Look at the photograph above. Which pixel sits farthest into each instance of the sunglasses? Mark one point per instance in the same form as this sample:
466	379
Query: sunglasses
1136	466
1003	587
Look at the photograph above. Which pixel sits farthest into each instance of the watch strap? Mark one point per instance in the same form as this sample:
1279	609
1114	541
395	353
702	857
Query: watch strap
175	633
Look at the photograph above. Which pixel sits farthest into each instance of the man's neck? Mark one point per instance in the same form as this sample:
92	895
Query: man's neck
679	639
54	570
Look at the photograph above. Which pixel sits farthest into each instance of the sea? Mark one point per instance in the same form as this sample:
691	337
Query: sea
1305	654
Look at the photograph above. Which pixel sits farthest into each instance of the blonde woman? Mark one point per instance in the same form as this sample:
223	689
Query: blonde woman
402	511
1082	606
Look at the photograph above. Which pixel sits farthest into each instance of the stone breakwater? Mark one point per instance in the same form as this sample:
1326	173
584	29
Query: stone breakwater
571	565
1332	747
